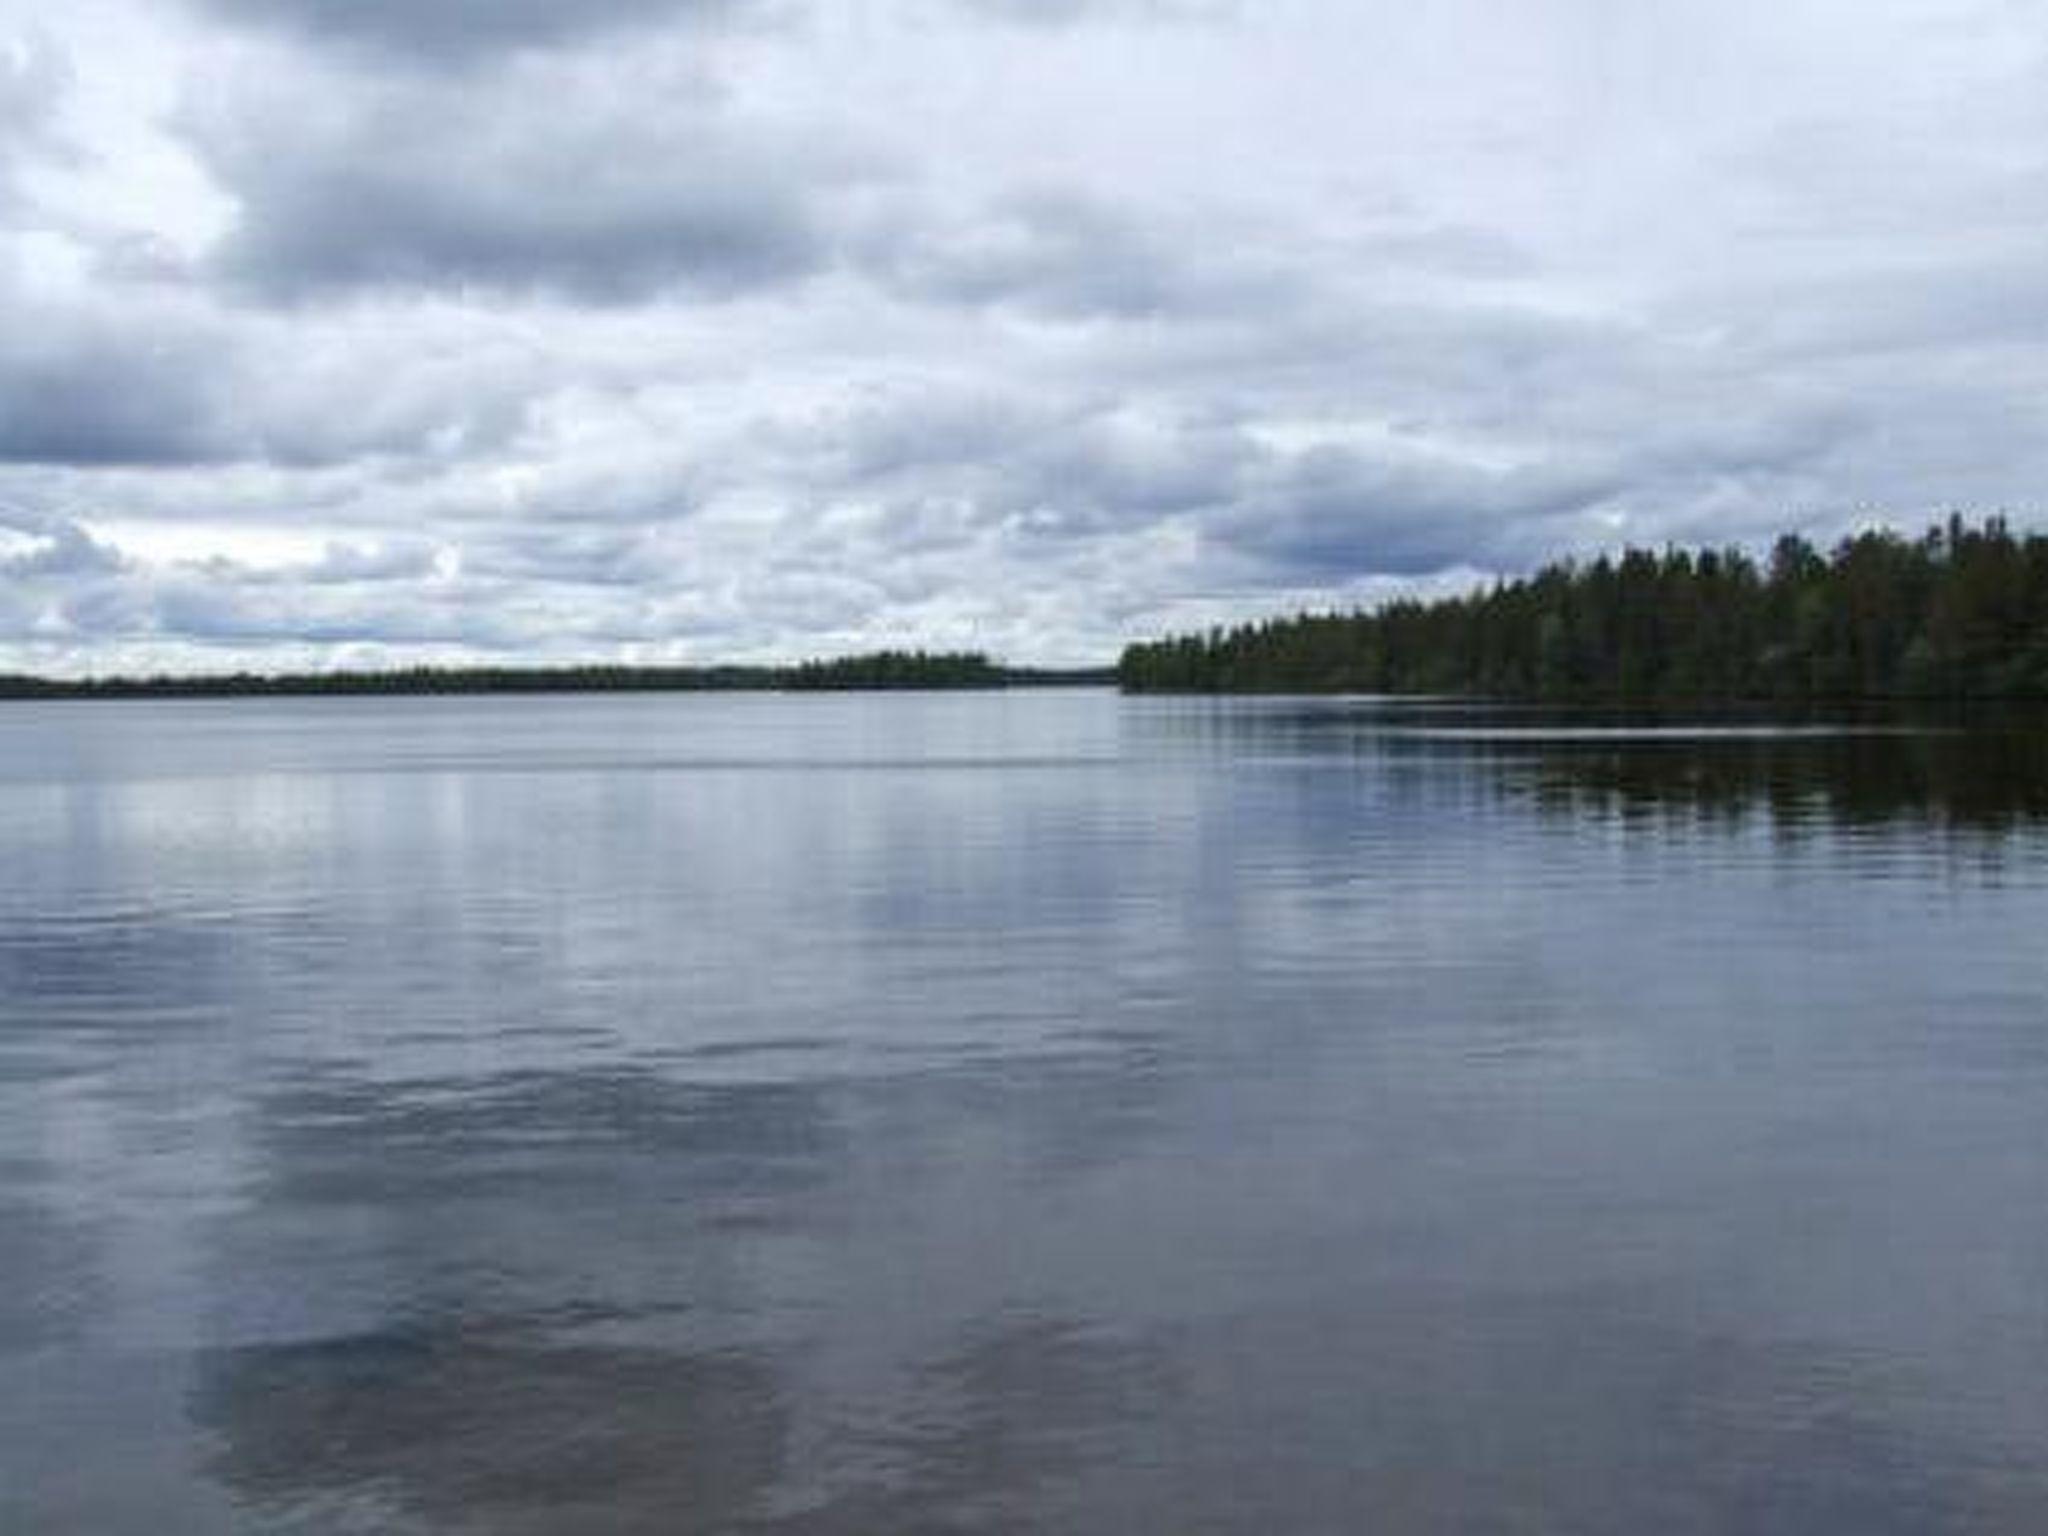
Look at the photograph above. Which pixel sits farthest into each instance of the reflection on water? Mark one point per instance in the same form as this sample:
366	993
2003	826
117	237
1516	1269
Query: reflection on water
1981	782
833	1115
480	1422
1982	770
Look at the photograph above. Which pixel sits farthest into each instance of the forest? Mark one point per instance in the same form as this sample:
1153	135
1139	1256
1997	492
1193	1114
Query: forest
1961	612
876	670
898	669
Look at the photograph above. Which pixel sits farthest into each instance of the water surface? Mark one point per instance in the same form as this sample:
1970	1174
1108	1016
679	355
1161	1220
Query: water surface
1033	1111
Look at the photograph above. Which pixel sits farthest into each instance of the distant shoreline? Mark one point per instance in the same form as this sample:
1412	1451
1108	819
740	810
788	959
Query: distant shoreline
880	672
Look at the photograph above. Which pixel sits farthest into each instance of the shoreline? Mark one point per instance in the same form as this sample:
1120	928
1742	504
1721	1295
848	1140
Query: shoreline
888	673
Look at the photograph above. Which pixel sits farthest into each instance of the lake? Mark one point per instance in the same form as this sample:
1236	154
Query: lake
1043	1111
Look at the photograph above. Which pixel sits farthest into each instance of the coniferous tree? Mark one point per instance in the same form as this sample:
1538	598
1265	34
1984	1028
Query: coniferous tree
1961	612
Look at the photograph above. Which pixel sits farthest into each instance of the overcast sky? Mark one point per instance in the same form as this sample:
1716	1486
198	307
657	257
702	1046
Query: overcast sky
357	331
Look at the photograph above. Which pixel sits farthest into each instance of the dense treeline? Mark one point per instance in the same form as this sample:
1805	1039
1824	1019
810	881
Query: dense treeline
900	669
1960	612
883	669
595	679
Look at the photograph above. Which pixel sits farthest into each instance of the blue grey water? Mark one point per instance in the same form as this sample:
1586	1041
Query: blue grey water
1042	1111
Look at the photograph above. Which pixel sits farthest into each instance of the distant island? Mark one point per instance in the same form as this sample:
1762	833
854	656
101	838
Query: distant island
901	670
1961	612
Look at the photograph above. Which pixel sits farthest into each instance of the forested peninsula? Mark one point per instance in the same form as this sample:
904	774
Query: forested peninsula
874	670
1961	612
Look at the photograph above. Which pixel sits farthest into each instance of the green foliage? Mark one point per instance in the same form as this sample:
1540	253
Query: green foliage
1961	613
899	669
421	680
879	670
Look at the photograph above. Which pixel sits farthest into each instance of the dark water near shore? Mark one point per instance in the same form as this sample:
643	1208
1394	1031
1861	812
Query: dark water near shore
1029	1112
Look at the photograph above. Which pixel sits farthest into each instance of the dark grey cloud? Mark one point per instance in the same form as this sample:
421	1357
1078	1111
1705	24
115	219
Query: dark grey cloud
143	377
1340	513
104	387
425	186
453	31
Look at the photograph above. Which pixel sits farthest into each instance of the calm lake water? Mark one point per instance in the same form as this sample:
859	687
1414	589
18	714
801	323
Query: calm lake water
1043	1112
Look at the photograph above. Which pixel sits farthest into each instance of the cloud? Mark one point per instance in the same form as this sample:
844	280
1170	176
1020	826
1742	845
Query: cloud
35	80
87	383
933	469
614	195
1067	255
456	31
1067	13
630	556
1339	512
54	547
143	376
391	560
74	594
1339	502
764	328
